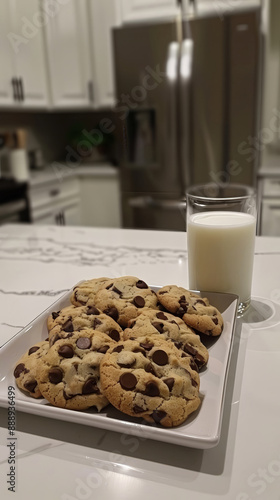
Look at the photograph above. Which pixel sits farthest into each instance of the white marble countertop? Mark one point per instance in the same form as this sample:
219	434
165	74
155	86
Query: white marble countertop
62	460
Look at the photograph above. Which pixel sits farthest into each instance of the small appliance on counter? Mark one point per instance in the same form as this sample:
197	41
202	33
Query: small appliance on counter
14	157
18	158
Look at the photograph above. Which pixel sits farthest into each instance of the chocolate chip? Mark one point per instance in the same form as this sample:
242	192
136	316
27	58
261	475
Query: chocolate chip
114	334
215	320
90	387
55	315
139	301
128	381
141	284
68	326
116	290
182	309
119	348
169	382
183	300
161	315
147	345
92	310
193	365
194	383
158	326
103	349
152	390
138	409
199	360
160	357
150	369
158	415
66	351
190	349
83	343
112	312
31	385
178	344
200	301
20	368
55	375
33	349
96	322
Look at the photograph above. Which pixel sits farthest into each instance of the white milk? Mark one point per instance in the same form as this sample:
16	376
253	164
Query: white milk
221	252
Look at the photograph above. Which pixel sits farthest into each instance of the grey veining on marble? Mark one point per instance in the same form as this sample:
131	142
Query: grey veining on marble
50	250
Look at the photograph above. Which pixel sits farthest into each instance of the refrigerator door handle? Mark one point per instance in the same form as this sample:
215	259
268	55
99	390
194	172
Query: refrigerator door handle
149	202
170	142
186	69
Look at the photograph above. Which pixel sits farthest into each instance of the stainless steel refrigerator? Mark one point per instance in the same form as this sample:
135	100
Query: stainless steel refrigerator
188	107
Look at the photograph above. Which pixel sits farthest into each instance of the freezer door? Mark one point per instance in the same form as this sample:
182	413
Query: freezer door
206	112
146	69
225	98
245	140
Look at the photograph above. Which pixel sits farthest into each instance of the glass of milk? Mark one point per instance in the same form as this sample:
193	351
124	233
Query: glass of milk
221	228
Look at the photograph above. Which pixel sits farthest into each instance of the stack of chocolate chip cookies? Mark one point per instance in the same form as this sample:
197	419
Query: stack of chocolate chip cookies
121	343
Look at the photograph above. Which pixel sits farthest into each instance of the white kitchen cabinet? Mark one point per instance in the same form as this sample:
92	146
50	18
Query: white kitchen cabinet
269	201
270	225
100	197
67	39
143	10
7	57
23	79
103	17
55	201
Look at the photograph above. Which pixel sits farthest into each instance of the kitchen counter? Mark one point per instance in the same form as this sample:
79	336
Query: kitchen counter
58	171
67	461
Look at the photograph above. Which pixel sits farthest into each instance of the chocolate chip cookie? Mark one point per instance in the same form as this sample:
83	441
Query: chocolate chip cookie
169	327
25	371
72	319
148	378
195	311
85	292
124	298
68	376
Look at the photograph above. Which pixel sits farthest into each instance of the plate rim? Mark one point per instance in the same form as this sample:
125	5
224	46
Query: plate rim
146	430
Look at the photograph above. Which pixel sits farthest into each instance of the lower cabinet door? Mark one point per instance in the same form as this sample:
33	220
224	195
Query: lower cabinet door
270	218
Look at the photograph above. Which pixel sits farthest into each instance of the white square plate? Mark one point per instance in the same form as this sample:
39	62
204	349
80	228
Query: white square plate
201	429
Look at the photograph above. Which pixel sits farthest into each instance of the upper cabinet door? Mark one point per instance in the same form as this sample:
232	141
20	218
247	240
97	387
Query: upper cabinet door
139	10
103	17
7	56
23	79
28	44
67	40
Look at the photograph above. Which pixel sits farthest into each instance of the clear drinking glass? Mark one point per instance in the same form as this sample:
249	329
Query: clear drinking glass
221	228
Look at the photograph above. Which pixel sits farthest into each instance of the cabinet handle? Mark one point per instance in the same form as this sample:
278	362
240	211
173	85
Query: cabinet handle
15	89
90	91
21	91
54	192
274	207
